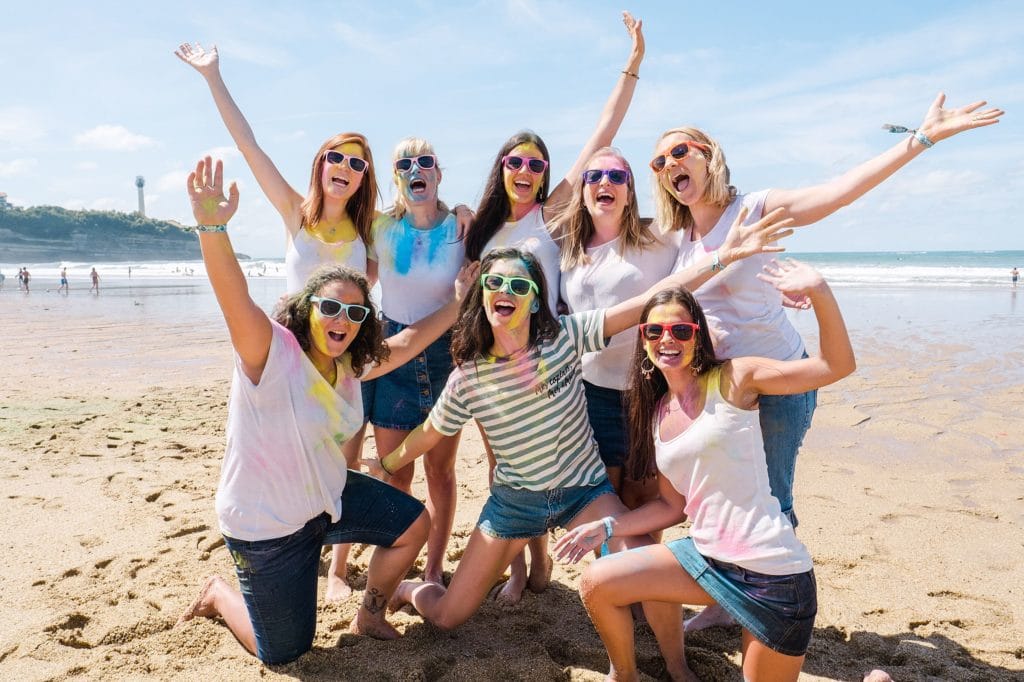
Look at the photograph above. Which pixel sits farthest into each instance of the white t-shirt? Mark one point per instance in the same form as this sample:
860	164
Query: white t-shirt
306	253
718	464
745	315
531	235
283	464
416	267
609	278
532	408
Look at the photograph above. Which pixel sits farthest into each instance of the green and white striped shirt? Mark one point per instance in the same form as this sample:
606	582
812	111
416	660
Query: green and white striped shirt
532	408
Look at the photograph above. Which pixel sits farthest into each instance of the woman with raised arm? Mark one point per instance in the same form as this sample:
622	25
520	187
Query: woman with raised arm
746	316
517	201
694	421
609	256
285	490
518	374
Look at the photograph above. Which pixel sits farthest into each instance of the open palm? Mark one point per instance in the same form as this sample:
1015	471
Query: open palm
204	61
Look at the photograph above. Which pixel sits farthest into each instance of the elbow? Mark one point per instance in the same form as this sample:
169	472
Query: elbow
844	367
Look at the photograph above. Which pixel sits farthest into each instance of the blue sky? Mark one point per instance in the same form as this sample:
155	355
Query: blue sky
796	93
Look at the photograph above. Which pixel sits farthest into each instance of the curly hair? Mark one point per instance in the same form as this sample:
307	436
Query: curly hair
495	206
293	313
672	215
643	393
362	208
472	336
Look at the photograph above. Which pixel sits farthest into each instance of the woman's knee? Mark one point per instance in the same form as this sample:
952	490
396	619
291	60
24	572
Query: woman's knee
416	533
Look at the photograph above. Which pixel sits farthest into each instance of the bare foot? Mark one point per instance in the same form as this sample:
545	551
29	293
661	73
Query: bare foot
877	676
540	573
402	595
712	616
202	606
337	588
512	591
681	673
373	625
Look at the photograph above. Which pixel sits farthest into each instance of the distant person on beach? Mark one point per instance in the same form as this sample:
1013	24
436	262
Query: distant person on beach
517	202
694	424
693	195
518	373
63	281
2	278
25	277
1014	276
285	490
95	277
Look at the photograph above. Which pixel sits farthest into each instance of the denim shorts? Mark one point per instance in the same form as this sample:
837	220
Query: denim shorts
778	610
785	420
515	513
606	410
402	398
277	577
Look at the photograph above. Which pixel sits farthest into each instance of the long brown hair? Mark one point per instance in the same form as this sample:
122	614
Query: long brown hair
643	393
361	207
495	206
575	226
472	336
672	215
293	313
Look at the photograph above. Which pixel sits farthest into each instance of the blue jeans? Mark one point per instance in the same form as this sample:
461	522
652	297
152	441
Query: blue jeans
515	513
402	398
606	410
277	577
785	420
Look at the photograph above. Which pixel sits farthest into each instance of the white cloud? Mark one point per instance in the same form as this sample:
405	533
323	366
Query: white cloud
113	138
10	169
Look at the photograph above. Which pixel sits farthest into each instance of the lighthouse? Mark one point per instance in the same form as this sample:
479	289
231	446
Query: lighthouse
140	182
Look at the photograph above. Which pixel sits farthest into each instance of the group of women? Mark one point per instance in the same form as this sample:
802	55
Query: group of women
645	404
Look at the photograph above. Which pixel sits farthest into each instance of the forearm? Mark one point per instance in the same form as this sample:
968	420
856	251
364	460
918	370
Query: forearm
656	515
421	439
412	340
836	349
226	277
235	122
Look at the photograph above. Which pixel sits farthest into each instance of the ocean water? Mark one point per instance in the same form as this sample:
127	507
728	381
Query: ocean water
914	269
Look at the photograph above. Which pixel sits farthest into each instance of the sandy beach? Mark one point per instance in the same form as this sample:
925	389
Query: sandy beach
112	412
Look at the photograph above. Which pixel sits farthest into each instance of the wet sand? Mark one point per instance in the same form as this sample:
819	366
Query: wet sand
909	492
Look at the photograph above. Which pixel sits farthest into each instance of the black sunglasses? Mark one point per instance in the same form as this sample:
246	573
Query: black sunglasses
354	162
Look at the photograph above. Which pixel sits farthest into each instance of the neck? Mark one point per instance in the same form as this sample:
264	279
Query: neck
684	389
324	364
606	228
705	217
520	210
508	341
333	211
424	214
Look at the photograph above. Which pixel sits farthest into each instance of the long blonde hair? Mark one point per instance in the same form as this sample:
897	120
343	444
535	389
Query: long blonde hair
672	215
362	207
411	146
575	227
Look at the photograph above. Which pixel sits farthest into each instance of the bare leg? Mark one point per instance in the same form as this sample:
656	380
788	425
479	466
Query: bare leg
540	564
387	568
439	467
338	588
218	598
482	564
649	574
387	441
764	665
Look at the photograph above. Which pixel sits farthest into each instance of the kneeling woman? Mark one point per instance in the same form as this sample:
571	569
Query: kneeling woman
284	489
696	419
518	372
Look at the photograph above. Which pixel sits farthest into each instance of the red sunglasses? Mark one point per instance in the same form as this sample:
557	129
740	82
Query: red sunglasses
677	152
681	331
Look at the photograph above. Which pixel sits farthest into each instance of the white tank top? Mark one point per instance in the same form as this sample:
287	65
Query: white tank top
306	253
531	235
745	315
718	464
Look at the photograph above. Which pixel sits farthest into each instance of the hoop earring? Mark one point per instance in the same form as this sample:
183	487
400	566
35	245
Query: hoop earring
647	370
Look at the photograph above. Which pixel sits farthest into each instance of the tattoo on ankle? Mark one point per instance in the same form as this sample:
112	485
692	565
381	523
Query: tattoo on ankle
374	601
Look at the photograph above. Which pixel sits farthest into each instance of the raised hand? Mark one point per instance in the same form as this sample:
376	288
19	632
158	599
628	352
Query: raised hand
206	191
940	123
467	277
635	28
580	541
796	280
203	61
373	468
760	237
463	219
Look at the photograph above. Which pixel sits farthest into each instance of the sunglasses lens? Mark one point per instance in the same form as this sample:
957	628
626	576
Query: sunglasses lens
537	166
618	177
425	162
403	164
591	177
519	286
329	308
492	282
653	332
682	332
356	164
680	150
357	313
334	157
658	164
513	162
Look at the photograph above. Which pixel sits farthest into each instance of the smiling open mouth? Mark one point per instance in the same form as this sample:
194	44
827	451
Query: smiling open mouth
605	198
523	185
340	182
681	182
504	308
337	336
418	186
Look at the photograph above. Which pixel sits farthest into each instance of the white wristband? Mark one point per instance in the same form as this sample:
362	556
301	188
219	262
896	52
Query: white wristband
607	521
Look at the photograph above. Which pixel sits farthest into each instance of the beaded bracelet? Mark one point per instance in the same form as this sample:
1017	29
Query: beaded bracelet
923	139
211	228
